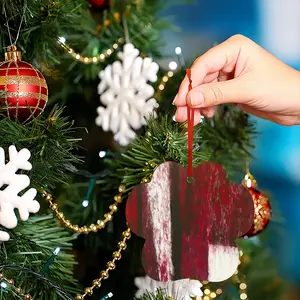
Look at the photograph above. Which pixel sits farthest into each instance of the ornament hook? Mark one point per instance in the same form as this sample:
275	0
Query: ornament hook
249	180
12	53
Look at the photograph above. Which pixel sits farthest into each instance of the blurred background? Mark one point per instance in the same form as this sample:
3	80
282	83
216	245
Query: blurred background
275	25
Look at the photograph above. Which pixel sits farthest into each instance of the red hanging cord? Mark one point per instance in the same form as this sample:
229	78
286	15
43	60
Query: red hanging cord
190	120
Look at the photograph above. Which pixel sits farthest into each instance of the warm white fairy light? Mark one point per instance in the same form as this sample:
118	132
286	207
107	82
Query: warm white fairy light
206	291
209	294
243	286
161	87
90	59
243	296
163	82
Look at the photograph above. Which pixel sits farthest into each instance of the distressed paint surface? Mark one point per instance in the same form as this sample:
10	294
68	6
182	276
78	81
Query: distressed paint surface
190	228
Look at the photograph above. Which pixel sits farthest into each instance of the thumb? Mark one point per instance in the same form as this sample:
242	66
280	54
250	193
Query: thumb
211	94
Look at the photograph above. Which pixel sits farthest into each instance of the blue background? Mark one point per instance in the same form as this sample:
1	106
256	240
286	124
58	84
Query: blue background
277	163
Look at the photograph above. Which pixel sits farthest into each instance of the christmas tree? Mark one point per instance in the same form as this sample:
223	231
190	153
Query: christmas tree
99	124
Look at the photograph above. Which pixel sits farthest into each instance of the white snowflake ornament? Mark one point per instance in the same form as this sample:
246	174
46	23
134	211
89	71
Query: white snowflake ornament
11	185
126	94
184	289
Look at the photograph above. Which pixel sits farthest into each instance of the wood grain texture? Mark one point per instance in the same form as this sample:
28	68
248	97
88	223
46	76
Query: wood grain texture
190	228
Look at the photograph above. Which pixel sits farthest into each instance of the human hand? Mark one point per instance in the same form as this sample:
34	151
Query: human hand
240	72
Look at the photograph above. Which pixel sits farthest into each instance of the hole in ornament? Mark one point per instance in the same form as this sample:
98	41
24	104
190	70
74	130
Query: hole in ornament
3	187
190	179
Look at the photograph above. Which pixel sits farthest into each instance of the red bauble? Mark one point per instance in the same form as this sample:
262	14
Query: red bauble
100	3
262	208
26	88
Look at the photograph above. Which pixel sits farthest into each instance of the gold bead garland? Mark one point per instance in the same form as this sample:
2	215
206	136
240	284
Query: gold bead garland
18	290
111	265
96	283
150	166
100	224
98	58
91	59
163	83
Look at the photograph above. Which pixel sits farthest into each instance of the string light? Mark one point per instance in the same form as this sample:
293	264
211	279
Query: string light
219	291
85	203
3	285
210	294
178	50
108	296
62	39
90	59
6	284
243	294
111	265
163	83
100	224
50	261
116	17
206	291
102	154
173	65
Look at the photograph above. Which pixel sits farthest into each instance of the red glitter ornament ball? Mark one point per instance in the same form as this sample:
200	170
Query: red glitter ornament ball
102	4
26	90
262	207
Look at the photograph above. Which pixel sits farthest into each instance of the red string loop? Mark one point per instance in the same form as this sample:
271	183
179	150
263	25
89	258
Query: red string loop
190	120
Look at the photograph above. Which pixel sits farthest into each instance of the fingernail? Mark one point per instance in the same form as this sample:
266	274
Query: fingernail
174	118
175	99
196	99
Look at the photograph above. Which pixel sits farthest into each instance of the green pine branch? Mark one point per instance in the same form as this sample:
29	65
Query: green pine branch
50	141
70	201
227	139
139	24
164	140
230	136
159	295
43	23
31	245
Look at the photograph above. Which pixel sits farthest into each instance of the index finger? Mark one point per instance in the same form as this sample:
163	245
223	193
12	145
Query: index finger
223	56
